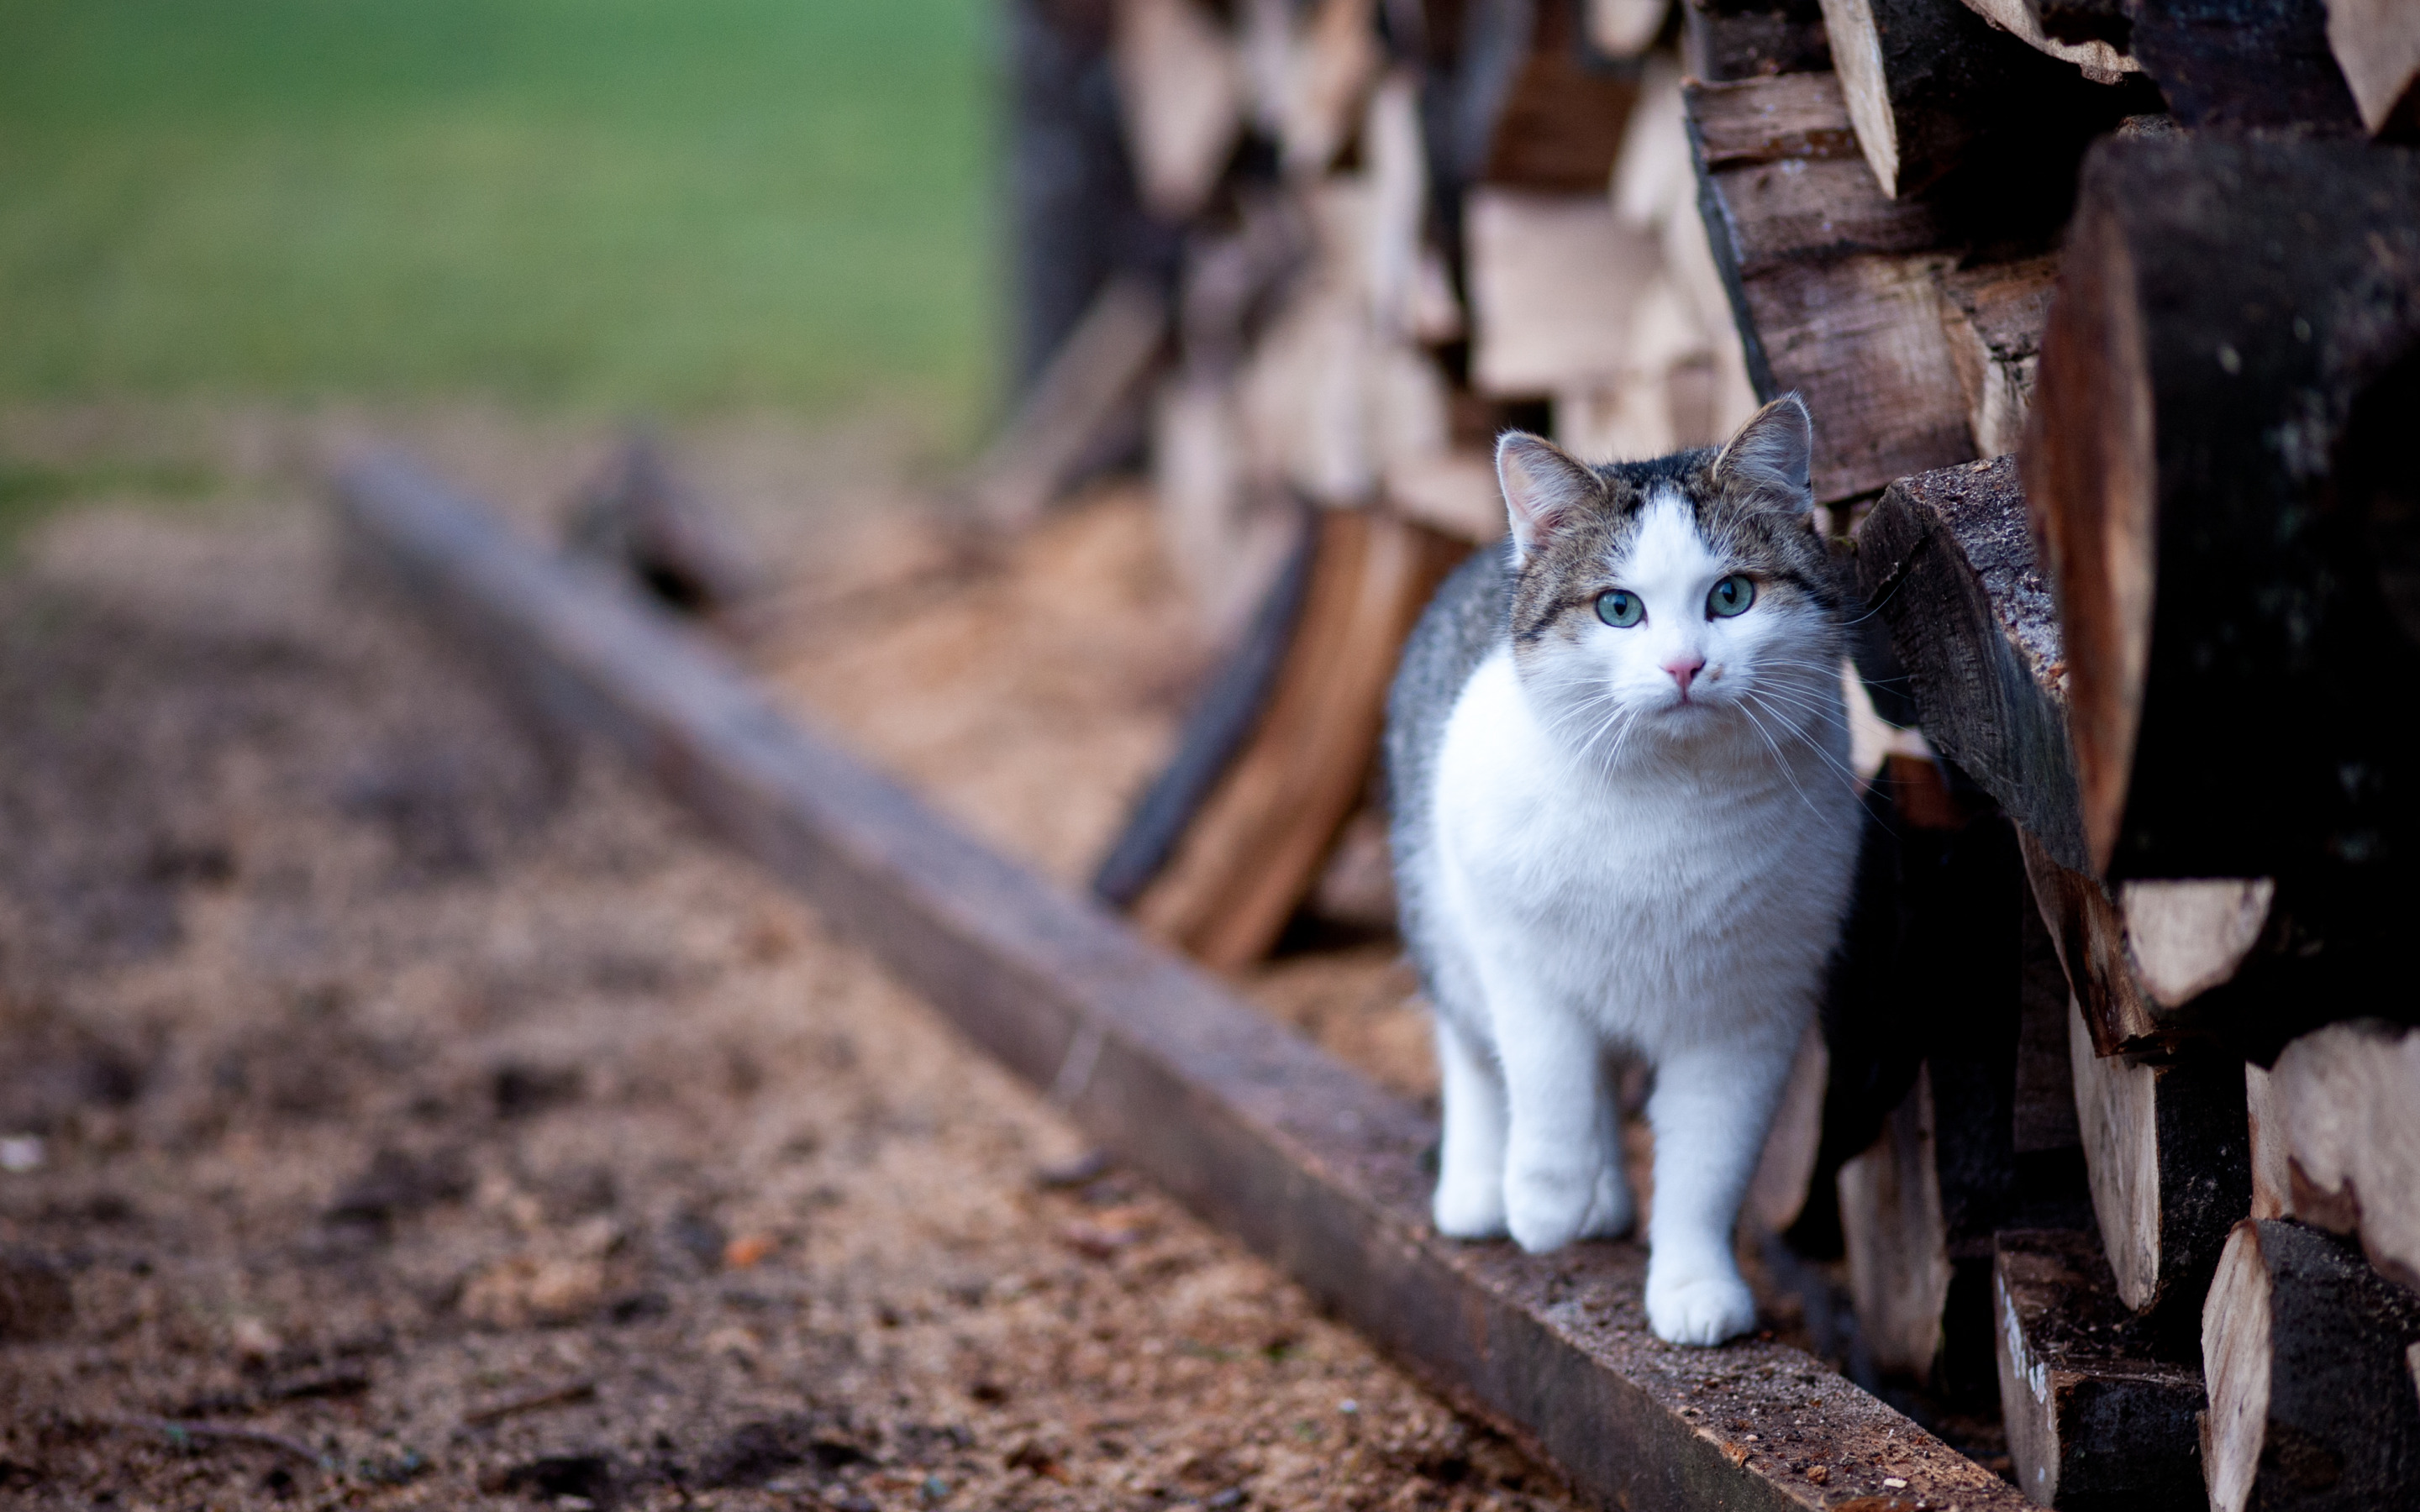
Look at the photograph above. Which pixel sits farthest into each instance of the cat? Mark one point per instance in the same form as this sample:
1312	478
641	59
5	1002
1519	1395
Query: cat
1624	821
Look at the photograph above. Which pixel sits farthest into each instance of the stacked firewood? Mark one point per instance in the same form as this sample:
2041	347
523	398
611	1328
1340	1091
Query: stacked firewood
2108	314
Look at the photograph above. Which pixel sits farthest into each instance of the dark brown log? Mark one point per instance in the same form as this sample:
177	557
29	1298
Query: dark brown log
1254	848
1221	722
2230	66
1722	40
1946	561
1928	82
1831	283
2222	501
2346	1100
2169	1151
1993	314
1302	1160
2305	1351
2376	43
2097	1421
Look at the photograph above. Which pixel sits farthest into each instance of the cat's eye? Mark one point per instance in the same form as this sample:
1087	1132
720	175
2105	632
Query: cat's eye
1730	596
1619	607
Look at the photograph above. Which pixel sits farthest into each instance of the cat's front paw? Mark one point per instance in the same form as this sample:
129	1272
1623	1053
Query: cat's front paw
1703	1307
1547	1209
1469	1206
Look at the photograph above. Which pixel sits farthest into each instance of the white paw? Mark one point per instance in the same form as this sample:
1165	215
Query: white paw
1469	1207
1547	1209
1610	1213
1699	1306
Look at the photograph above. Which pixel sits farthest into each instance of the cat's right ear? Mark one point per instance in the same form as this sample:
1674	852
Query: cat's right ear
1543	488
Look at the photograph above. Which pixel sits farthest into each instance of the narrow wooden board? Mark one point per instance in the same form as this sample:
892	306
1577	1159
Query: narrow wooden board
1254	1129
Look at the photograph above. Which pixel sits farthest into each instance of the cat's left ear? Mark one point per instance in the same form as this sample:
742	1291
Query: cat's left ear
1768	459
1543	488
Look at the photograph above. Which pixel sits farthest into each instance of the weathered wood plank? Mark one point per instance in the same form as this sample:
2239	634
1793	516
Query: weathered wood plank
1302	1160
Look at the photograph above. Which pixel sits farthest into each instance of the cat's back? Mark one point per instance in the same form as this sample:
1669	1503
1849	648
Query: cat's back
1464	624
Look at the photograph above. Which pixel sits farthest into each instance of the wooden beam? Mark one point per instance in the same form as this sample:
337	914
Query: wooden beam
2305	1351
1304	1160
2095	1417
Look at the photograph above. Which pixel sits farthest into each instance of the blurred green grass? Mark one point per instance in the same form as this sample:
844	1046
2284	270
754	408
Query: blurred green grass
675	206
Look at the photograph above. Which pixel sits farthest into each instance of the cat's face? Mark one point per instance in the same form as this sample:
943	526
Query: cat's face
1677	599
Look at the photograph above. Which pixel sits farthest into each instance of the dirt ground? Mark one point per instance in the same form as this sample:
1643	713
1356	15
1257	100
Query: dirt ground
397	1110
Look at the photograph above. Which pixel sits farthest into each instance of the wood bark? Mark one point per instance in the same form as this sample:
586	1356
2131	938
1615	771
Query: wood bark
2376	43
2169	1151
2348	1102
2097	1420
2234	66
2223	513
2304	1349
1722	40
1231	1114
1831	283
1946	560
1254	848
1929	81
1993	314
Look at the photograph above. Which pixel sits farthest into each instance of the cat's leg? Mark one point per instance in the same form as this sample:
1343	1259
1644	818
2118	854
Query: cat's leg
1470	1158
1555	1153
1611	1211
1711	1110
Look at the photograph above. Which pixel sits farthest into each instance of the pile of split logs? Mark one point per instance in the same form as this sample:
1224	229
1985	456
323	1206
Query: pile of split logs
2108	314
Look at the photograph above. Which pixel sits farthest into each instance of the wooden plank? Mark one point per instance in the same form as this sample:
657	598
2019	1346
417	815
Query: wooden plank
2305	1351
1302	1160
1831	283
1254	849
2096	1418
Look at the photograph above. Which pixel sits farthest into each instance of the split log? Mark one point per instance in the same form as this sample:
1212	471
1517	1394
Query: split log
1830	283
1723	40
2273	1182
1559	127
2376	43
1946	559
1181	94
2348	1100
1992	316
2221	496
2304	1349
2169	1151
1897	1242
2089	34
2096	1419
1254	850
2234	66
1098	375
1553	279
1928	82
1217	729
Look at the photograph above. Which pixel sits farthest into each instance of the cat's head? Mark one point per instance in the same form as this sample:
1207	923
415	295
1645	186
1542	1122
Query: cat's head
1674	599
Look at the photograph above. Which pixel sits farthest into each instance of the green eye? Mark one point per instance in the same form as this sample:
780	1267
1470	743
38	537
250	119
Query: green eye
1732	595
1619	607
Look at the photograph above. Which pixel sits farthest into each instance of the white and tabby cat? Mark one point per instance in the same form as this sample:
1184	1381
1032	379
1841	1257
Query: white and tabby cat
1625	819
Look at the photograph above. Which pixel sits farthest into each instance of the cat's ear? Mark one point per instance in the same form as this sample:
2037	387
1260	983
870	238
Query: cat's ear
1543	488
1768	459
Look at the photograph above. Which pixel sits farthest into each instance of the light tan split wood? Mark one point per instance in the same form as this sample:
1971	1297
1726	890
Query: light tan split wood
1898	1241
2376	43
2349	1098
1180	88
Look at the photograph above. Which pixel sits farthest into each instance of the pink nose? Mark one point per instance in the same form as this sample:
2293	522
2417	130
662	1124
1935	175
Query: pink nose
1684	670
